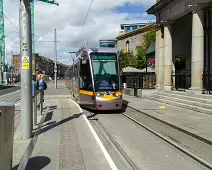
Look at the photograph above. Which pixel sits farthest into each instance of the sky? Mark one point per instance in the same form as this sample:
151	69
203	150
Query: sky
103	22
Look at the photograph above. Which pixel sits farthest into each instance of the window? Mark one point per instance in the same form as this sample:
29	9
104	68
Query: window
127	46
135	27
85	76
105	71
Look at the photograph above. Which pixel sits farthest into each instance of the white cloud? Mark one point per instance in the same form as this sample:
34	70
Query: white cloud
103	22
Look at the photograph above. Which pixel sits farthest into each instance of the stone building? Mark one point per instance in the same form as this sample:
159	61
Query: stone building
16	61
183	36
129	39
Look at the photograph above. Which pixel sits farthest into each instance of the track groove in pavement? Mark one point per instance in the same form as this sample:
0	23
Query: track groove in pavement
122	131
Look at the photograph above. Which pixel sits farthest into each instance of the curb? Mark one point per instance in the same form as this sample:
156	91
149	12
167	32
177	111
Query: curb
171	125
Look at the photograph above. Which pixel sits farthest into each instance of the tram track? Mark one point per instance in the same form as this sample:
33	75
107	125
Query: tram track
188	153
171	141
113	141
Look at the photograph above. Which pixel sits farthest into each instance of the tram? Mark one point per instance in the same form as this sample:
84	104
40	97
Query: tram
94	79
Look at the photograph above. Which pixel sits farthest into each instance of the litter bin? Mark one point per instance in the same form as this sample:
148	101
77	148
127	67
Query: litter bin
7	111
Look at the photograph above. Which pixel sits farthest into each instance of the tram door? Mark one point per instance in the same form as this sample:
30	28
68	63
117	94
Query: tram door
77	72
86	87
75	81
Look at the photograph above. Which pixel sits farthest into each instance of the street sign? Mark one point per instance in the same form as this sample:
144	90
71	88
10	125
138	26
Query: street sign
25	62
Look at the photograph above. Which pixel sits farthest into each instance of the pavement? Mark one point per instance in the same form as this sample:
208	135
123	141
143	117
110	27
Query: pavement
62	139
190	122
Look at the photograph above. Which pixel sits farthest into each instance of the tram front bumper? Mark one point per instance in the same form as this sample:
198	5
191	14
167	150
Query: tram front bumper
108	105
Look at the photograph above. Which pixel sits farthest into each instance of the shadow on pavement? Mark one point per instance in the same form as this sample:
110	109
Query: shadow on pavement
53	107
51	126
48	116
36	163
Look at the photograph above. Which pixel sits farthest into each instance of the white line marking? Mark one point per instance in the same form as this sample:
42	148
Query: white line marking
107	156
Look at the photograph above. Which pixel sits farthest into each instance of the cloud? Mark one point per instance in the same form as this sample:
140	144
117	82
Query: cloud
103	22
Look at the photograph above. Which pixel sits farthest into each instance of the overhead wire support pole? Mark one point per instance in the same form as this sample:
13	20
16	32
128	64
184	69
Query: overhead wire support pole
2	42
26	69
33	29
55	55
33	36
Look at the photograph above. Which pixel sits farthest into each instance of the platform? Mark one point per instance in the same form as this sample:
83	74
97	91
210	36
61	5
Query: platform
62	140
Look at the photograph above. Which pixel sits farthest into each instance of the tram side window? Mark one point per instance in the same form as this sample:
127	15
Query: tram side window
85	76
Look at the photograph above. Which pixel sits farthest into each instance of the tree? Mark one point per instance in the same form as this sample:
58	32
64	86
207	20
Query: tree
149	37
141	59
128	59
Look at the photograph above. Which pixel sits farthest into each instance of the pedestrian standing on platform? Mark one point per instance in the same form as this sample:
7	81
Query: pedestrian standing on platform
41	86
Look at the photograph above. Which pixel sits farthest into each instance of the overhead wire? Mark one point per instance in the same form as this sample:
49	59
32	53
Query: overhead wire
56	41
84	21
11	23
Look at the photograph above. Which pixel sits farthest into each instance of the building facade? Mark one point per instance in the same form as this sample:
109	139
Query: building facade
183	44
125	28
128	41
16	61
43	64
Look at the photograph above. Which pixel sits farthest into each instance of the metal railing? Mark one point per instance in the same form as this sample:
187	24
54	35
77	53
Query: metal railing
38	100
207	80
181	79
140	80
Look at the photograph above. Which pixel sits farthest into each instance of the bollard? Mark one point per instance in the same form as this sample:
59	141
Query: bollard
7	114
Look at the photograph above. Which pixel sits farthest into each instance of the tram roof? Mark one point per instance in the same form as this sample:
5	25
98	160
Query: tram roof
101	50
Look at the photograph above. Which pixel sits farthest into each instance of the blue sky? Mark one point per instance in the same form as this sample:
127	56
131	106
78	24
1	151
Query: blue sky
136	10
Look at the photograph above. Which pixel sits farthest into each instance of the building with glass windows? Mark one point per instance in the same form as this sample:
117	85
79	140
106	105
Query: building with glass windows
107	43
125	28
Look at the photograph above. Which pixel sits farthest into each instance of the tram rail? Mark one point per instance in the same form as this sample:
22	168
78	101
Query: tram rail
163	137
113	141
198	159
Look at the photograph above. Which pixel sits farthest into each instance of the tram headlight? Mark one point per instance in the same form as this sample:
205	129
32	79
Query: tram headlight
100	95
116	95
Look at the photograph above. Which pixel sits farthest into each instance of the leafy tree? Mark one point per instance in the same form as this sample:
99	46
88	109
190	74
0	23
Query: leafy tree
149	37
128	59
138	60
141	59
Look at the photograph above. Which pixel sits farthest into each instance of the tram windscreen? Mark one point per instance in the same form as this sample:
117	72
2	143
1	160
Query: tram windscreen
105	71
